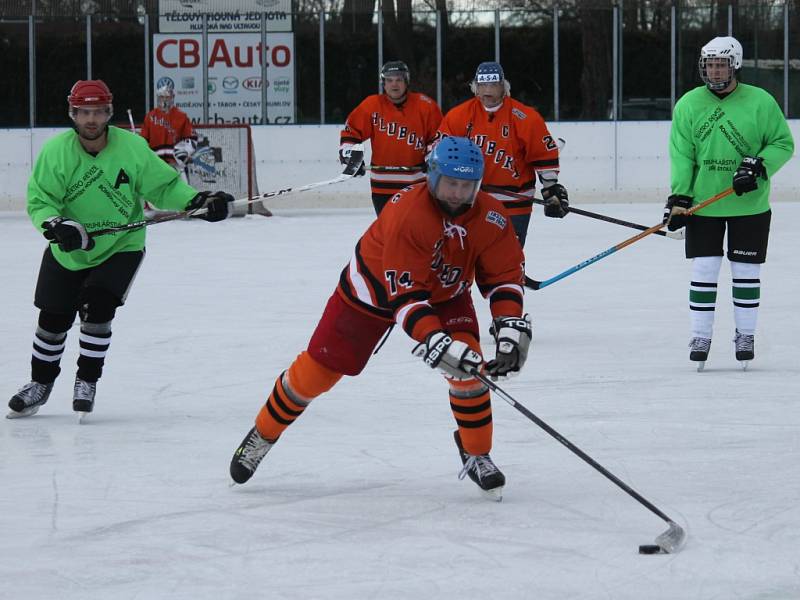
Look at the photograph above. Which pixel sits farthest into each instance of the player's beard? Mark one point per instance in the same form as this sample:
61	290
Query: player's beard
95	132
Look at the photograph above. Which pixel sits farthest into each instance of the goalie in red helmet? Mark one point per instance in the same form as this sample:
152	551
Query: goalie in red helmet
168	129
169	133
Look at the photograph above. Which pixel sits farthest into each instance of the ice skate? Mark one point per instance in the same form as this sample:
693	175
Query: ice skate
83	398
698	351
28	399
745	348
248	455
482	471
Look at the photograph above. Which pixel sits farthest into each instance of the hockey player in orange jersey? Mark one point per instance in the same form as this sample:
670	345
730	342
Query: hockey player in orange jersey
400	124
168	130
516	145
414	267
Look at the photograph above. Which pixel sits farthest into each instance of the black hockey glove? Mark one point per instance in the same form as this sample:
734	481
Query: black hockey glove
353	160
745	177
557	201
513	337
68	234
453	358
675	211
217	205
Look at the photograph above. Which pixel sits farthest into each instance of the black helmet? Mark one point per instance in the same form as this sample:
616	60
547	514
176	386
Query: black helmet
396	67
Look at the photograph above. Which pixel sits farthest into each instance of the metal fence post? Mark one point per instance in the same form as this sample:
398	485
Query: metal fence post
32	68
380	42
439	58
264	78
205	68
556	59
322	67
88	46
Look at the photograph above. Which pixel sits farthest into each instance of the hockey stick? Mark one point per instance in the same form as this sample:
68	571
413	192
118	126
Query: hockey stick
668	542
675	235
130	120
537	285
357	158
394	169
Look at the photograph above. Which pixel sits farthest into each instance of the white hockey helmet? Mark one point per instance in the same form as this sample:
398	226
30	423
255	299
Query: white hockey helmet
165	96
725	47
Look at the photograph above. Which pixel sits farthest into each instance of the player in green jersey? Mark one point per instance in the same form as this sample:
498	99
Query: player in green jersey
88	178
725	134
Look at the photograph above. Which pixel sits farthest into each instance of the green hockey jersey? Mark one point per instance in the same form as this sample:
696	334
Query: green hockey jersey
102	191
709	137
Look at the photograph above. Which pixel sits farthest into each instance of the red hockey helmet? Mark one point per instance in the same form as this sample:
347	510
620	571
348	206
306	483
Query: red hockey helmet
93	92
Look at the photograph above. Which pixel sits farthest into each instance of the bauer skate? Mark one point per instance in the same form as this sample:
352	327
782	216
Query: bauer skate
28	399
249	455
482	471
83	398
745	348
698	351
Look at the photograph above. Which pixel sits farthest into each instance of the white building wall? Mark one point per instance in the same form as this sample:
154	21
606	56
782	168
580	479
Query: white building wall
602	162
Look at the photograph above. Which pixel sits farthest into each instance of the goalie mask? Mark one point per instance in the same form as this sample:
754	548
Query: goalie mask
165	98
92	93
455	170
720	59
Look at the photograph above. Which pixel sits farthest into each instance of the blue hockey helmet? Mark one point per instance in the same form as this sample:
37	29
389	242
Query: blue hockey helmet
455	158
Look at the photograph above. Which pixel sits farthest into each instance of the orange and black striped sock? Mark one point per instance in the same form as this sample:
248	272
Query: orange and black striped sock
293	391
472	409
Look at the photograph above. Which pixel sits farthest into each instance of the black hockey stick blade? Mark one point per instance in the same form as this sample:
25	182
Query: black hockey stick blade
532	283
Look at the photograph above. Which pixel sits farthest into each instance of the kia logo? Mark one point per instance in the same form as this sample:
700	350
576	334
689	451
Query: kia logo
252	83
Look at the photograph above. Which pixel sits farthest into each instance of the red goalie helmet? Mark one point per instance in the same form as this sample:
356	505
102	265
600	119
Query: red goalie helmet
93	92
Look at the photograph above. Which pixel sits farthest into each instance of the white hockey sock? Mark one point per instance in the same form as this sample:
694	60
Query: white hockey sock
703	294
746	295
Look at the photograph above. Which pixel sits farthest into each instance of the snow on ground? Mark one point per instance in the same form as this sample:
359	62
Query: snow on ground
360	497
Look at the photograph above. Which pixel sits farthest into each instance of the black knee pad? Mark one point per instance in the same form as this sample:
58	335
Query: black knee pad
55	322
98	305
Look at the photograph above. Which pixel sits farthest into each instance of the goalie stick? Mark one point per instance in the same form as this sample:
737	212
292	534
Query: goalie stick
668	542
537	285
354	163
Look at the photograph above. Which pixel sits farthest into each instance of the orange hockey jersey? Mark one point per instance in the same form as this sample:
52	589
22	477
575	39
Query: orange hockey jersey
413	256
515	143
163	130
399	137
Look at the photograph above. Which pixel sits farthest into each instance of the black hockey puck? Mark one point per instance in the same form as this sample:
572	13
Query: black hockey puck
649	549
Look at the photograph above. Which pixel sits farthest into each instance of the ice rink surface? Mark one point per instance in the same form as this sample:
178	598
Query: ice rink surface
360	498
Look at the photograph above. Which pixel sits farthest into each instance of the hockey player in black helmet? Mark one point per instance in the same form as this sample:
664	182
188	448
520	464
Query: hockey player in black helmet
400	124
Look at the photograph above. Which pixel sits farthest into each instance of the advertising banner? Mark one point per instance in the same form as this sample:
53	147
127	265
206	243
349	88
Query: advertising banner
234	75
185	16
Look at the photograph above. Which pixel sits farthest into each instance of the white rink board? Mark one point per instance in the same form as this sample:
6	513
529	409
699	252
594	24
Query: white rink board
602	162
